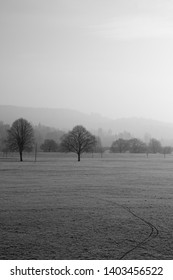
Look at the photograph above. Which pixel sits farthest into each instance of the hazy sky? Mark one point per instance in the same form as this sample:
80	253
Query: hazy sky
113	57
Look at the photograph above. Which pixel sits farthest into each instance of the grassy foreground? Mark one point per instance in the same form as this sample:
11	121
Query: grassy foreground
115	207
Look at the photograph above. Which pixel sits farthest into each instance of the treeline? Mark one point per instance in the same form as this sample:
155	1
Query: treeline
3	135
78	140
41	133
21	137
135	145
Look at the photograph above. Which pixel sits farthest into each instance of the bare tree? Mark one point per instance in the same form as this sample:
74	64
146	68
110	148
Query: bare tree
20	137
78	140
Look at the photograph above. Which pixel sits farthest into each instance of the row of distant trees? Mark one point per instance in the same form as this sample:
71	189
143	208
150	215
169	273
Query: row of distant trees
50	145
135	145
20	137
41	132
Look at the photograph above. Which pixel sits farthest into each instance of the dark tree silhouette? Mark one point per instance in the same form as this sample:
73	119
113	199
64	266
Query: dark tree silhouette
20	137
78	140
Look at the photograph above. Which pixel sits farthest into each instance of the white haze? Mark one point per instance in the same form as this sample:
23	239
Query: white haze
114	57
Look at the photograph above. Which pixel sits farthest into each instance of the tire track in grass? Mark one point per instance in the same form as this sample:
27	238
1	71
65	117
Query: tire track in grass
153	230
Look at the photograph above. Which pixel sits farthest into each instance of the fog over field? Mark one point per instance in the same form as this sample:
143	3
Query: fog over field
94	68
65	119
114	59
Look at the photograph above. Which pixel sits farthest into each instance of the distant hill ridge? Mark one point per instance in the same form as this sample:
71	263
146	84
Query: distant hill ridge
65	119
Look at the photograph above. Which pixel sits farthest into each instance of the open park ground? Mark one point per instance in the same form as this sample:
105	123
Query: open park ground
119	206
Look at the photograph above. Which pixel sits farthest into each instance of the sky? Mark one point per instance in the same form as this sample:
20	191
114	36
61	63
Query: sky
111	57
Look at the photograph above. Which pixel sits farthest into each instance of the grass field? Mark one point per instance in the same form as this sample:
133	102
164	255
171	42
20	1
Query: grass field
115	207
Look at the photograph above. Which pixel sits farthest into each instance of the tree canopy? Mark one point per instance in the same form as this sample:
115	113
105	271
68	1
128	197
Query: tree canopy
135	145
20	136
78	140
132	145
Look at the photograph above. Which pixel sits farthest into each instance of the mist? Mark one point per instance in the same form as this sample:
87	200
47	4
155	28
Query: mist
114	59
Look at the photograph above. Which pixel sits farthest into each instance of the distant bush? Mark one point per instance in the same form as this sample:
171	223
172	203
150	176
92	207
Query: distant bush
49	145
135	145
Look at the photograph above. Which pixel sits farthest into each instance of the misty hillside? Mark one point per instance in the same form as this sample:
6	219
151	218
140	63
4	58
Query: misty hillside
60	118
65	119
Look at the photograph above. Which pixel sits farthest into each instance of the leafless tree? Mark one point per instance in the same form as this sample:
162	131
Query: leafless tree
78	140
20	136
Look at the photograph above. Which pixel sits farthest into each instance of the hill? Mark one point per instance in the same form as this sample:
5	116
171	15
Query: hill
65	119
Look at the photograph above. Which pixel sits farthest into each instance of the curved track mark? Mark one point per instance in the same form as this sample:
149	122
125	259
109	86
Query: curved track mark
153	233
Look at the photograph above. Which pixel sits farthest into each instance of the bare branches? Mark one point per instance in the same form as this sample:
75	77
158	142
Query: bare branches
20	136
78	140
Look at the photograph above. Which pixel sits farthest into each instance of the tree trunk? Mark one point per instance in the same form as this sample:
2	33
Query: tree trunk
78	156
21	159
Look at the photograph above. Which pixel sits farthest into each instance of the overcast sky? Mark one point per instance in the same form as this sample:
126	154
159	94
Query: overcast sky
112	57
